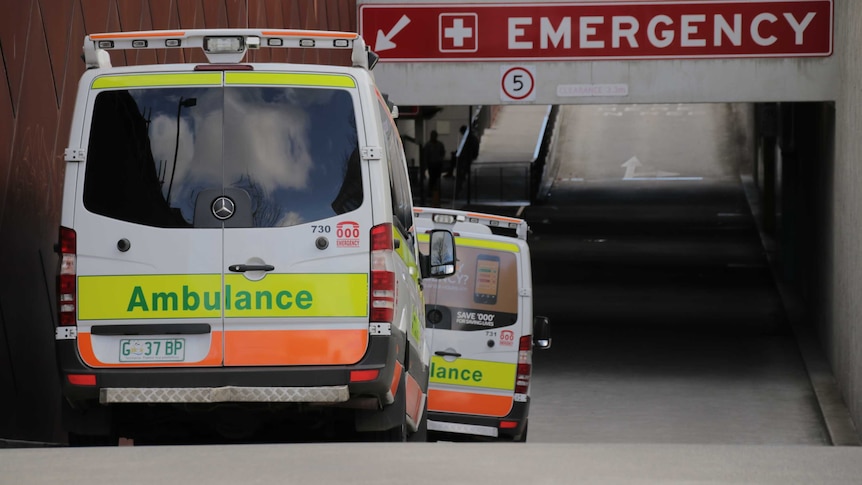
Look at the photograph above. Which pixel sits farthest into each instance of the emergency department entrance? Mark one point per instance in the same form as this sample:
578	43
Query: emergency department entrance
786	62
776	64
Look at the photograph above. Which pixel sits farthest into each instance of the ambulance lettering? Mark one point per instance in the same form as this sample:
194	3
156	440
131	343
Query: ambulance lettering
243	300
473	373
454	374
483	319
347	234
207	296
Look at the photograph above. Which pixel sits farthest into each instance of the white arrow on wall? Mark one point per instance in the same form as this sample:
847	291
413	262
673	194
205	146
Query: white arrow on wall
384	41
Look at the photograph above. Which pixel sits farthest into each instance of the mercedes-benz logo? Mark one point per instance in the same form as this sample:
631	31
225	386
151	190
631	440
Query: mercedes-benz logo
223	208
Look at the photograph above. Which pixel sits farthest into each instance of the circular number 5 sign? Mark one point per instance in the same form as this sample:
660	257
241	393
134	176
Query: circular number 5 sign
518	83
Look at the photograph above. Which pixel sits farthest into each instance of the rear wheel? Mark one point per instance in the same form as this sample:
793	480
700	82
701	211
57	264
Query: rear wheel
397	434
88	426
388	424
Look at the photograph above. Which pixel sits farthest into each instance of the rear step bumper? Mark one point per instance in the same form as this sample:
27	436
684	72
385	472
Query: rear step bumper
322	384
156	395
481	426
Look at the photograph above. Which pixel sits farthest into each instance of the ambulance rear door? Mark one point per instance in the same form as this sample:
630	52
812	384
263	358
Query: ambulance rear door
476	319
149	271
296	248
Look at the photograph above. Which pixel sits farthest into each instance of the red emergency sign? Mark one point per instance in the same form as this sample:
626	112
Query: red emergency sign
598	30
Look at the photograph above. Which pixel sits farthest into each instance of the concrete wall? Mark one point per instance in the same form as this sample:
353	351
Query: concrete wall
841	328
691	81
40	43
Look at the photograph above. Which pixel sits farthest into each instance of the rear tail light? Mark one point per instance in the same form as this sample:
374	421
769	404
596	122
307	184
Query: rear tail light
82	379
382	300
525	368
66	285
381	237
364	375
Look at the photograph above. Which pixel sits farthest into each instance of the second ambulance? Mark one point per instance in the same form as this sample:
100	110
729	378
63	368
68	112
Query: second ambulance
482	328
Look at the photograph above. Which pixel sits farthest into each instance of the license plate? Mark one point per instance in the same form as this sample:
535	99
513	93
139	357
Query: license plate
153	350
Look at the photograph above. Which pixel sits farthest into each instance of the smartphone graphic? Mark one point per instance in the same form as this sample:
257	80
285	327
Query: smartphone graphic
487	279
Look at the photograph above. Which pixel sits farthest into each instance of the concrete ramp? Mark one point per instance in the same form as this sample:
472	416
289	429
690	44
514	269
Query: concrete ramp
514	134
502	173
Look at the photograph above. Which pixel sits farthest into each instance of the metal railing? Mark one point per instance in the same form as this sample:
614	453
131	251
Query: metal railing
500	183
504	183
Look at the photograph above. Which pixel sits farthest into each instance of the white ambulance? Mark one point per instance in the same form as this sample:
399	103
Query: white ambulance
238	251
482	328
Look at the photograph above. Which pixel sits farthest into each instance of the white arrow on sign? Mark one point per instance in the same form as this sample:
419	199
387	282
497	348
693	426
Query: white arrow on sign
631	165
384	41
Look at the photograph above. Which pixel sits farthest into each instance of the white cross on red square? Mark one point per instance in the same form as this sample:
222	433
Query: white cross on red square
459	32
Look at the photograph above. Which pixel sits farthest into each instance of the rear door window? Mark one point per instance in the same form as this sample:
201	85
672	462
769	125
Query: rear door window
481	295
154	151
294	150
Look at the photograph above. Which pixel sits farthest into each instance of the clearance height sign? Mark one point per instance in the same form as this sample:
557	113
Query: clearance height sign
598	30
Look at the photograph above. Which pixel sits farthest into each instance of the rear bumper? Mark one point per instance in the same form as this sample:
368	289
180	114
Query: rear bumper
208	395
310	384
482	426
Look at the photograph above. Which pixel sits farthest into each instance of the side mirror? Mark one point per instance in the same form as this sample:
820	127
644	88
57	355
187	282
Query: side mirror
542	332
440	261
372	59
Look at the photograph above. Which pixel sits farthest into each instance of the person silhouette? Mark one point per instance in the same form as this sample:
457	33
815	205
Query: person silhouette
433	154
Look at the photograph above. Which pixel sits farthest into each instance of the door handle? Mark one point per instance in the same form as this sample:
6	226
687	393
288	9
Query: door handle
242	268
443	353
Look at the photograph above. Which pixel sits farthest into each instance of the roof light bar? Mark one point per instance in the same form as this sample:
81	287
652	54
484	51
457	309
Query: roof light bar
226	46
223	45
446	218
450	216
